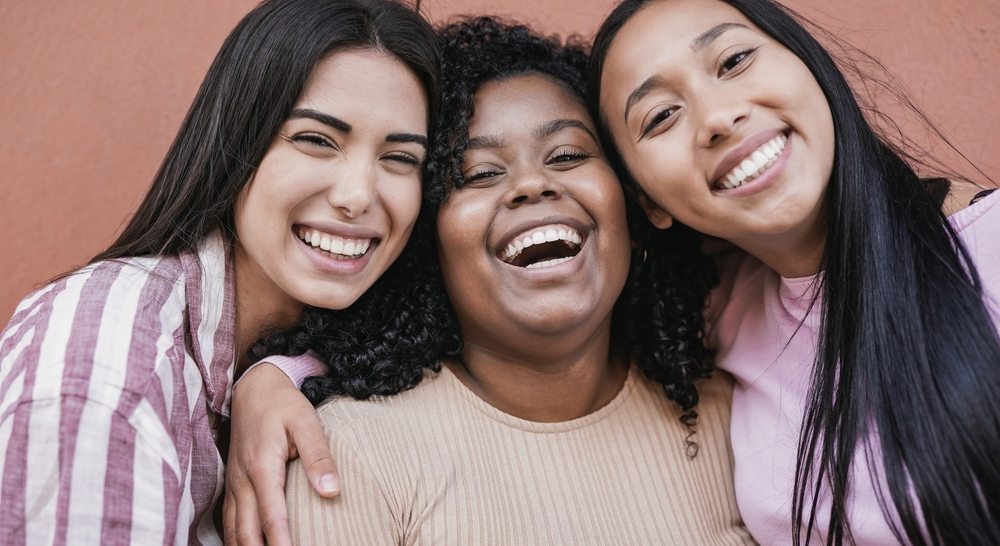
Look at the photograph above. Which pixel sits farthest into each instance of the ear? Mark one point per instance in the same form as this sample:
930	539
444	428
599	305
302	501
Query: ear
659	217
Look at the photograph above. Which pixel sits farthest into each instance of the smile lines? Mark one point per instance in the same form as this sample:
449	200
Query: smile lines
755	165
333	245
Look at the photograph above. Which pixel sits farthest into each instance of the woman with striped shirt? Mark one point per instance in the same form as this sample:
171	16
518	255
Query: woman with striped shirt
294	181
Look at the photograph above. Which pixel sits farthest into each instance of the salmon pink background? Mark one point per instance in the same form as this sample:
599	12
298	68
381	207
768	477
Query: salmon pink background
91	94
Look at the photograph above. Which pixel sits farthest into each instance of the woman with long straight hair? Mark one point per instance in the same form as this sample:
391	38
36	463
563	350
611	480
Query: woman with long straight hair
293	182
862	328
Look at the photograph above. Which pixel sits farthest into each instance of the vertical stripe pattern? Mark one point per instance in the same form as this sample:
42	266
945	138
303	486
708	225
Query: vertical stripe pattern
111	380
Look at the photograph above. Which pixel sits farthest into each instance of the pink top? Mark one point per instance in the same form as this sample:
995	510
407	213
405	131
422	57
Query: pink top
754	339
111	383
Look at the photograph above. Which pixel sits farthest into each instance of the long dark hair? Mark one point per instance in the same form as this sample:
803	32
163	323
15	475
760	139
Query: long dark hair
658	316
248	92
909	349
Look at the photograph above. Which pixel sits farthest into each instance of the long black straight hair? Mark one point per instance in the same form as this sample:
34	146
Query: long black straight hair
908	351
247	94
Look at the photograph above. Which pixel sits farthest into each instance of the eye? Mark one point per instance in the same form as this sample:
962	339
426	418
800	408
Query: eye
564	156
313	139
659	119
735	61
482	175
404	158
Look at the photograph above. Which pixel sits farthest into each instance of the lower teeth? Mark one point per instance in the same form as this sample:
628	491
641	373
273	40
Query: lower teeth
549	263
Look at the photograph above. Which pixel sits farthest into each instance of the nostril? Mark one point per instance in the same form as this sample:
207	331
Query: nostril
548	193
520	199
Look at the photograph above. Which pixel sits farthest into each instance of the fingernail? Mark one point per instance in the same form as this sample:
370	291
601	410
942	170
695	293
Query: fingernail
329	483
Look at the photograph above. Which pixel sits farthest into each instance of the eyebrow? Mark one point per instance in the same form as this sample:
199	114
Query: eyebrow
557	125
325	119
407	137
711	34
486	142
640	92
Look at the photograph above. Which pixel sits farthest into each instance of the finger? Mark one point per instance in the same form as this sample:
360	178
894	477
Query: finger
272	517
229	518
247	532
310	443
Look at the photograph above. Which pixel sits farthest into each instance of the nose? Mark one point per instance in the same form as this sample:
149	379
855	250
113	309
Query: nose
353	190
723	111
531	187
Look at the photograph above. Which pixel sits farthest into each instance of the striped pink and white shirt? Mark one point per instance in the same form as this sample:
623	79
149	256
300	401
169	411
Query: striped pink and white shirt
111	383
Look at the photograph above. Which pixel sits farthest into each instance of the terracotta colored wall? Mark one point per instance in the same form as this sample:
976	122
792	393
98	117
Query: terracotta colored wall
92	93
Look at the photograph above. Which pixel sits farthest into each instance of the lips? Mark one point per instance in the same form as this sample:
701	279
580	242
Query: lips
542	246
750	159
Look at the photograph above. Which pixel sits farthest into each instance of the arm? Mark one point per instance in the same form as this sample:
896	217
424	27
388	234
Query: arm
82	471
272	422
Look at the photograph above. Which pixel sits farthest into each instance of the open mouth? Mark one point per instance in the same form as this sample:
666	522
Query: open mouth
333	246
755	164
544	246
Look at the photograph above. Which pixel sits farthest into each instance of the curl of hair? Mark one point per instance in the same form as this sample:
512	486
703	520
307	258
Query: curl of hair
907	353
658	317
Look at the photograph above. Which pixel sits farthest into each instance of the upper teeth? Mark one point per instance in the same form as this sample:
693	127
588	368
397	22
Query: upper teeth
334	244
756	163
541	235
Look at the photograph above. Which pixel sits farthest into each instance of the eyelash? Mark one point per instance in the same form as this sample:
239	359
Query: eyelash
567	156
736	59
314	139
404	158
659	118
482	175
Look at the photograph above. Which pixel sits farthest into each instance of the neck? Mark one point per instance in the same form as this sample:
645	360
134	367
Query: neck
792	255
549	385
258	310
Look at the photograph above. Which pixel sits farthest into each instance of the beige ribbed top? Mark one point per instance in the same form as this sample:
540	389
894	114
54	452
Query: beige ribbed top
437	465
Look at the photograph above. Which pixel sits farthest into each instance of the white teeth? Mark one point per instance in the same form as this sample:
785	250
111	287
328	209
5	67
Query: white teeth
547	235
549	263
335	245
754	165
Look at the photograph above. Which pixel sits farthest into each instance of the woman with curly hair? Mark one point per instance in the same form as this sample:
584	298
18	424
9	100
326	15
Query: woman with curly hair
540	427
294	181
862	328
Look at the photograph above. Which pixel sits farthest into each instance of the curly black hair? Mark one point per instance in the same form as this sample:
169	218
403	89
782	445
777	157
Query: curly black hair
659	316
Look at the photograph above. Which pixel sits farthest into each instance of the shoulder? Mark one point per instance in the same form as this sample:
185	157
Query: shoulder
395	413
82	332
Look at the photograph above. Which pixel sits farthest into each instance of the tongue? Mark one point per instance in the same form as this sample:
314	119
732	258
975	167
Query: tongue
544	252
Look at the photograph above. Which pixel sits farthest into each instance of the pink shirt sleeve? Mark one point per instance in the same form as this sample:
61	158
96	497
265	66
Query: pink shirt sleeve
297	368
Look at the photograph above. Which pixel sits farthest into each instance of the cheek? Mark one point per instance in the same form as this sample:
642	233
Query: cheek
402	202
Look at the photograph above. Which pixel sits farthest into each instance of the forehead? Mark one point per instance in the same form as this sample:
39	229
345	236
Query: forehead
522	102
664	32
365	79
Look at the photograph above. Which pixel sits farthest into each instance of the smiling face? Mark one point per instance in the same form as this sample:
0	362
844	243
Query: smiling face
535	242
335	198
723	127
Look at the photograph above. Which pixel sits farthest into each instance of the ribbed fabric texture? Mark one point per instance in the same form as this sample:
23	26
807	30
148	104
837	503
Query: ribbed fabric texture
439	466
